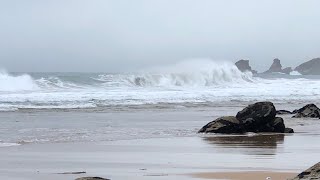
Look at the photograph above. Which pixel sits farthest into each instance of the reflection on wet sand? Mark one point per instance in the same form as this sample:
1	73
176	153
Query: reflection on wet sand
260	144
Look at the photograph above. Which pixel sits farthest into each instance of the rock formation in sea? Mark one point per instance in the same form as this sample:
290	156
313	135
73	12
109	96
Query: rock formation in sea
309	174
258	117
276	67
311	67
244	66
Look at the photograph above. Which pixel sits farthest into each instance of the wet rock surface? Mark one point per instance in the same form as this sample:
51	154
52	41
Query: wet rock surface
258	117
310	111
225	125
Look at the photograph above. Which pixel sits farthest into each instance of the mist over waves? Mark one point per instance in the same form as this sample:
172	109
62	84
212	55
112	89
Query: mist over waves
203	82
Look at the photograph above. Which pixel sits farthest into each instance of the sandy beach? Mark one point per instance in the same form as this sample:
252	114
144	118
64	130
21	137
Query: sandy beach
148	144
167	156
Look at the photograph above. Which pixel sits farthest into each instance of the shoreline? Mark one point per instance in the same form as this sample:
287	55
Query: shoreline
162	158
246	175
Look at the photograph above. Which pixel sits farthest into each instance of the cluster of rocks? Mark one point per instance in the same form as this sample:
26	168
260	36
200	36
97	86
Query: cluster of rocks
311	67
258	117
308	111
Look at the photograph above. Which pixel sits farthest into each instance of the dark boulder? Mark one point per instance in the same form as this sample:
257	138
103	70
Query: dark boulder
226	124
311	67
309	174
258	113
276	125
92	178
258	117
310	110
244	66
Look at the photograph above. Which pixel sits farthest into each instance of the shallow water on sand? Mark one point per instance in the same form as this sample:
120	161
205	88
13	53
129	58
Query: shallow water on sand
146	144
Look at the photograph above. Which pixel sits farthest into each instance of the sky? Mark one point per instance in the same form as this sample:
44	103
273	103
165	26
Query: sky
125	35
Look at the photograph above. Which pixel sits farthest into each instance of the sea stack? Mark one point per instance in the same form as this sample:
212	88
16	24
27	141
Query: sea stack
276	67
244	66
311	67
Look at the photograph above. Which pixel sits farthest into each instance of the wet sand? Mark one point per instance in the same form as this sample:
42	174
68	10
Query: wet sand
163	158
156	156
257	175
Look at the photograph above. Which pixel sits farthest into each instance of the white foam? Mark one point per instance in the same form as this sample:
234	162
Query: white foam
2	144
16	83
295	73
191	73
196	81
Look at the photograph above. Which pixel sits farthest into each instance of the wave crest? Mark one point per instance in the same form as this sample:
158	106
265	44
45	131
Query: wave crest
191	73
17	83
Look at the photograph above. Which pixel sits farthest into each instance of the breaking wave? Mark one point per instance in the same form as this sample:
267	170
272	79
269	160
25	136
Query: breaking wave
190	82
188	73
17	83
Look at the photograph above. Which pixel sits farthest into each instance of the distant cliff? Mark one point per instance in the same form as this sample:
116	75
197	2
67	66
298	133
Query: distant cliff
311	67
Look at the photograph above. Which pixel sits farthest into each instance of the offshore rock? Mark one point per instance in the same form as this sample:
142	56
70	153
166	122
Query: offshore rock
244	66
311	67
276	67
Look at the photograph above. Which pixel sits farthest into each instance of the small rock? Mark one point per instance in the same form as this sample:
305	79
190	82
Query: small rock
310	111
309	174
91	178
80	172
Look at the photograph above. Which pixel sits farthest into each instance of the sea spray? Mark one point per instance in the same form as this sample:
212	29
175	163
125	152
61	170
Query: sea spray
185	84
13	83
187	73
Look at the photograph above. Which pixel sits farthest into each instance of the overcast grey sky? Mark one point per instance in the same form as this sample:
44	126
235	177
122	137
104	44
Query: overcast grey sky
119	35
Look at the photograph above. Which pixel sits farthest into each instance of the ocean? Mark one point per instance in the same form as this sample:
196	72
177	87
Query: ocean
190	83
168	101
144	124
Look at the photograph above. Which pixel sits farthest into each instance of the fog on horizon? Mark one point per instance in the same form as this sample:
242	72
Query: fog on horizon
125	35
